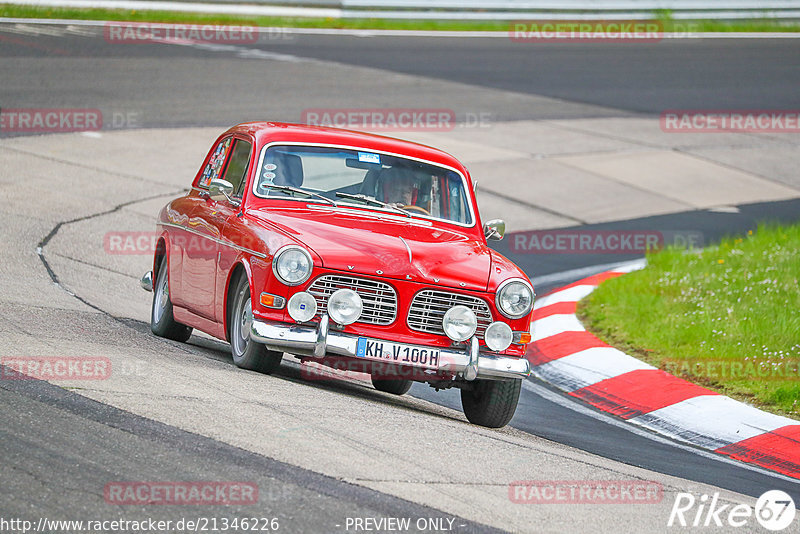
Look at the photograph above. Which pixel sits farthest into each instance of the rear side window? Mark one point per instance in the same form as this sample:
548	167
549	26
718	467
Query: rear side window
237	167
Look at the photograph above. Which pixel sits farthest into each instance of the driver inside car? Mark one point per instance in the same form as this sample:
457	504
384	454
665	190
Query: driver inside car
404	189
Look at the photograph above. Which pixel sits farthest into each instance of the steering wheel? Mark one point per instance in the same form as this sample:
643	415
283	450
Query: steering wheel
412	207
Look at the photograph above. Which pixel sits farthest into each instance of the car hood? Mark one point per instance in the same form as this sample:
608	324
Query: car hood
385	245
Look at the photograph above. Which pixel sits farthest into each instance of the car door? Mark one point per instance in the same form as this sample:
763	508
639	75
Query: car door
205	224
236	172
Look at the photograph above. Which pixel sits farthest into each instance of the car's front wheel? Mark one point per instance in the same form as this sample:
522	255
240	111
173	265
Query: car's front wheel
162	322
248	354
491	403
396	386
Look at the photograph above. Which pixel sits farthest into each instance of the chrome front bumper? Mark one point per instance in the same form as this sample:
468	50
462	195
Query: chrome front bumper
468	363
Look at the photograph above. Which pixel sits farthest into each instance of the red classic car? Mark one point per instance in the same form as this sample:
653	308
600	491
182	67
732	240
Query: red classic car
340	246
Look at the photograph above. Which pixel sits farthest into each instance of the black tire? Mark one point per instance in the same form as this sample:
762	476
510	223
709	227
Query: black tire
162	321
395	386
491	403
246	353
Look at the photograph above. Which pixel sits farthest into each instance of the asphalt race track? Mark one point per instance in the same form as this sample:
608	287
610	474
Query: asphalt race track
323	452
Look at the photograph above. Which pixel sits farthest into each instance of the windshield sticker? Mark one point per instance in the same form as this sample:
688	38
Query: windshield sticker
270	167
368	157
269	175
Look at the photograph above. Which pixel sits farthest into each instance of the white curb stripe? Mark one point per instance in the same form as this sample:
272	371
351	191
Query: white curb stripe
555	324
711	421
630	267
572	294
588	367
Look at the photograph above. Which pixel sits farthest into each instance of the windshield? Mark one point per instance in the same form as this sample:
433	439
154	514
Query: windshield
366	179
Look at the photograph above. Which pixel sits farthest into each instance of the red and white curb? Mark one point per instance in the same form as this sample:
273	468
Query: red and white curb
564	354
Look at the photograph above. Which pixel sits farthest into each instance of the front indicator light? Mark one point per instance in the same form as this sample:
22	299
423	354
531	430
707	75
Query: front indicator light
459	323
522	338
345	306
498	336
272	301
302	307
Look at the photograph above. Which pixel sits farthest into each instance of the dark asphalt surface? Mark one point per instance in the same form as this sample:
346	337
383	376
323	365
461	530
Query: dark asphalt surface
181	86
54	441
639	77
223	84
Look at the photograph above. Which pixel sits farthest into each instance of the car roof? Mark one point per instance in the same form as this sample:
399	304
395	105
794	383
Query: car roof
269	132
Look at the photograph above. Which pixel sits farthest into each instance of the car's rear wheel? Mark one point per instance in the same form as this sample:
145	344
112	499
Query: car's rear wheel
248	354
396	386
491	403
162	321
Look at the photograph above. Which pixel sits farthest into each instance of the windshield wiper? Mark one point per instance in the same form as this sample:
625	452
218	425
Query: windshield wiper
376	202
290	189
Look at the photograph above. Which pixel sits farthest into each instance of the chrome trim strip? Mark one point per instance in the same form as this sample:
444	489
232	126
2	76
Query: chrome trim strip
410	257
321	346
302	340
471	371
263	154
219	241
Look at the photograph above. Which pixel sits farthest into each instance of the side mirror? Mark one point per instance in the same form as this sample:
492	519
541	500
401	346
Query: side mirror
220	189
495	229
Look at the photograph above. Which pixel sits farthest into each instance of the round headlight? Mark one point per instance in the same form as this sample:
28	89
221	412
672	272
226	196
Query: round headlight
292	265
302	307
514	298
345	306
459	323
498	336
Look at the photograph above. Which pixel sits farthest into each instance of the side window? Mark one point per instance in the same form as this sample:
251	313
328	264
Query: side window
214	165
237	167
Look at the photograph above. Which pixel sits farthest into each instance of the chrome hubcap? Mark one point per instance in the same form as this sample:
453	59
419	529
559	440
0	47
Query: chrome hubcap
161	297
247	320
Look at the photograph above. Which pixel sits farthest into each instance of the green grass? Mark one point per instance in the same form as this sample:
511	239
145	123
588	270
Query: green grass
40	12
701	315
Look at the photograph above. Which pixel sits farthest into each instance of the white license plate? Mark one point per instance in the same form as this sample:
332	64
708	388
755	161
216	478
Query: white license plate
399	353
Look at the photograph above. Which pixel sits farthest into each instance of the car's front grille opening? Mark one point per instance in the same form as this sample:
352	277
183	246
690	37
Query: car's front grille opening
380	299
429	306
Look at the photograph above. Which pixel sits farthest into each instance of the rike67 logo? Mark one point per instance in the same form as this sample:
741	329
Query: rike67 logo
774	511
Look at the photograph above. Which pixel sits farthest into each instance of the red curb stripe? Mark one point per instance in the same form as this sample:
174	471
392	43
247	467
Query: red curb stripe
560	345
778	450
638	392
558	308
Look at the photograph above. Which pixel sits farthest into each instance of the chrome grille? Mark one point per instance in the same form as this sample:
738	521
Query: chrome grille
380	299
429	306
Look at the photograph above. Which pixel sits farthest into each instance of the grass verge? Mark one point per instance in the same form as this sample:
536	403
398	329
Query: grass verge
44	12
727	317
